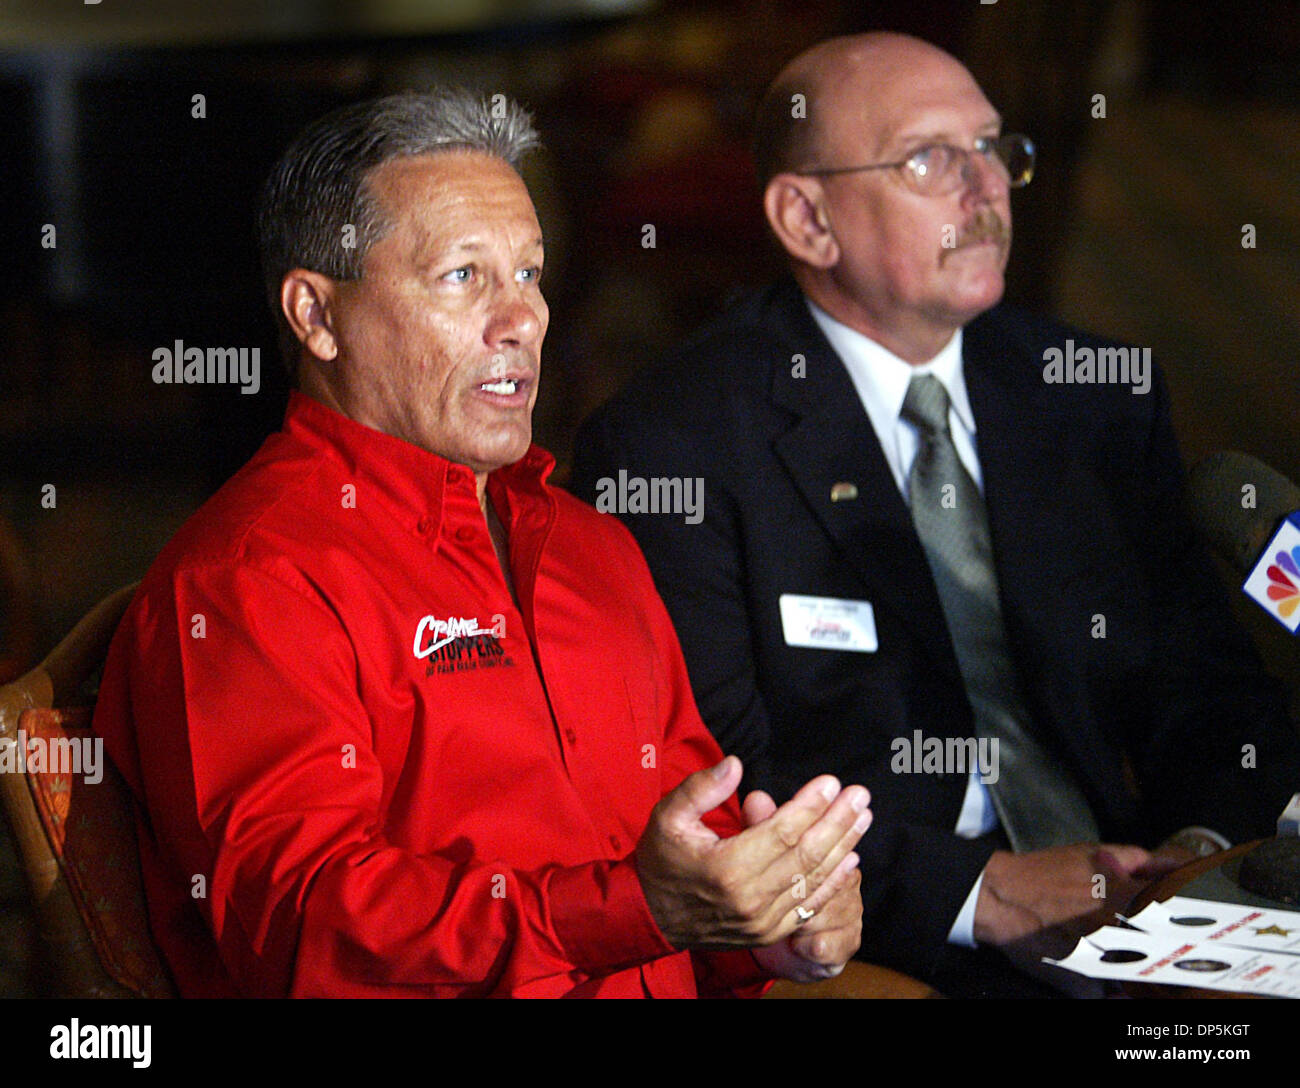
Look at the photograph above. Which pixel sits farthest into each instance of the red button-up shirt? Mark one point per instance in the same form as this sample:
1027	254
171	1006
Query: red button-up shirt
363	771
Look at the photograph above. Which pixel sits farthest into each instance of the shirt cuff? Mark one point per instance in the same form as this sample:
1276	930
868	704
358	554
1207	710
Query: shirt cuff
963	929
730	973
1199	839
601	919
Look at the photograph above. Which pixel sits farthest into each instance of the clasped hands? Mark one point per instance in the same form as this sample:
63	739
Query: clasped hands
757	889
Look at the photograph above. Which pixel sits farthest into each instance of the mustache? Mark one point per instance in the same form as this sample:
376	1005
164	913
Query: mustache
986	226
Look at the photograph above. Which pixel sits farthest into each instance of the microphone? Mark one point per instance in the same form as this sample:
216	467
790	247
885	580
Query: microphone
1250	515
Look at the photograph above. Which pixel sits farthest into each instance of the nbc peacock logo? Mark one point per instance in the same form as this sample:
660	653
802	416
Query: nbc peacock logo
1274	582
1284	582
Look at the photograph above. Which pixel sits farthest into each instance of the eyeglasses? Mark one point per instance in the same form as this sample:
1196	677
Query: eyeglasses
939	169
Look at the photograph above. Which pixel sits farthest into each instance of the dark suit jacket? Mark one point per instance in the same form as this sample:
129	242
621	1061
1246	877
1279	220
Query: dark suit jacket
1084	490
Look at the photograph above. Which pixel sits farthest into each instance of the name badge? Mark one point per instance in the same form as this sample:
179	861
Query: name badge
828	623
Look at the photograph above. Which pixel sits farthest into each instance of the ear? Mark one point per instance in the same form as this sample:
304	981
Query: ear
797	212
307	300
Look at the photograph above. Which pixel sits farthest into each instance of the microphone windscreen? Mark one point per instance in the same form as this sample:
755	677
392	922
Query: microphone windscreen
1234	521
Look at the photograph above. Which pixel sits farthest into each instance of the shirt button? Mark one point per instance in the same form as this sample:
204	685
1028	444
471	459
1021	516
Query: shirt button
425	525
615	842
570	736
455	475
465	534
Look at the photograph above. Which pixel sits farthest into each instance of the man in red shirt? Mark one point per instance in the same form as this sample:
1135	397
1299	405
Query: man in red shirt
400	718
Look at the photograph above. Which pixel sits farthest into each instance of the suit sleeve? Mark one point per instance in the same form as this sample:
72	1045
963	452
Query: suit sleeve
914	878
697	571
1218	749
261	778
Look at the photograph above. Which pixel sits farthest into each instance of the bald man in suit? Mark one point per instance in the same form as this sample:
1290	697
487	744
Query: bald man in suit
916	543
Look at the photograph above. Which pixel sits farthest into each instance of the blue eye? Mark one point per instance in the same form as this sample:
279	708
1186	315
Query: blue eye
531	273
459	275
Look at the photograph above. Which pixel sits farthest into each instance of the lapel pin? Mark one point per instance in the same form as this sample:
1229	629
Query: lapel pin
844	491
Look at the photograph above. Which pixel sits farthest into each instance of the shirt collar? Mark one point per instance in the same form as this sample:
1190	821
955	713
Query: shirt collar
881	377
418	486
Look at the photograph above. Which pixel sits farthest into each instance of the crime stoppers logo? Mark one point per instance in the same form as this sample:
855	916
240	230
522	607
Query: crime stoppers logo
459	644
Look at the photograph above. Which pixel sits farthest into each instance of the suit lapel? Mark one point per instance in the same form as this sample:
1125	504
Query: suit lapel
831	441
1048	565
1014	441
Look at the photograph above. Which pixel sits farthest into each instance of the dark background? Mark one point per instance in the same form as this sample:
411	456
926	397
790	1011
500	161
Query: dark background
1132	226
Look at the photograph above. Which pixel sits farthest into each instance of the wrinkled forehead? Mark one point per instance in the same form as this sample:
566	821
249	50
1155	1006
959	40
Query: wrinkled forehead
878	110
438	200
418	184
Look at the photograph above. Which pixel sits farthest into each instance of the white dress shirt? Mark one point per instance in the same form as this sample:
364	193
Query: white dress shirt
881	379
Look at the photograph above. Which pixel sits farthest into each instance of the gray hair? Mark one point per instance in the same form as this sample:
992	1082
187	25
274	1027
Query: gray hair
320	187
